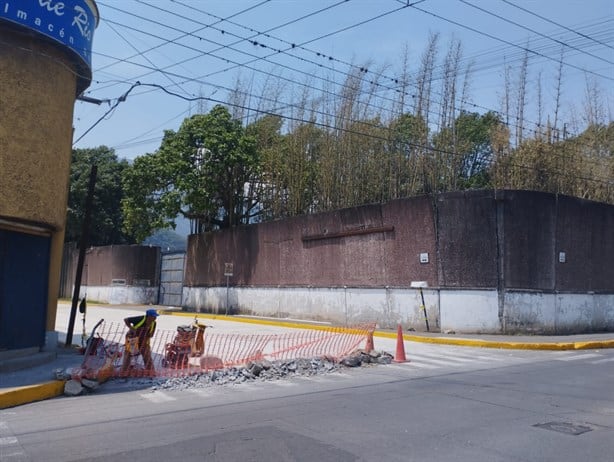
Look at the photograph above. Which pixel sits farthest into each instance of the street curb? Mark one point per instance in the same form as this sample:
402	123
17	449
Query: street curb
28	394
266	322
552	346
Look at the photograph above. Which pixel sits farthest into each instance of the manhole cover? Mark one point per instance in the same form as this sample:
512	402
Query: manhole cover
564	427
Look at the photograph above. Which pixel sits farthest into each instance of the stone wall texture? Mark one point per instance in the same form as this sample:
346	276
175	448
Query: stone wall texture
37	94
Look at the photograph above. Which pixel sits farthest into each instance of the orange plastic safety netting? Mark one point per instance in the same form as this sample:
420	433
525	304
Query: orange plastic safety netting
193	349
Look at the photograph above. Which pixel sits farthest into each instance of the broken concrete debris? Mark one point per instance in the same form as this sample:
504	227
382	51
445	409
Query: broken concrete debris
260	370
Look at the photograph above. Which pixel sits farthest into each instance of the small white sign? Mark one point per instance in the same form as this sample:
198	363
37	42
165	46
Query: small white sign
562	257
424	257
228	269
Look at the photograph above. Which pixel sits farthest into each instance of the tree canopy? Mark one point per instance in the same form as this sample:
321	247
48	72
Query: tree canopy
106	216
200	172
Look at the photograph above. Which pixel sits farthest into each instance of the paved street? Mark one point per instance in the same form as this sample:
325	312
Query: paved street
447	404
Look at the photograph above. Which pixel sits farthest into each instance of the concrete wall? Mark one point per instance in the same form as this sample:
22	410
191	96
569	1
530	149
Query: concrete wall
118	274
120	295
370	246
461	311
494	264
338	305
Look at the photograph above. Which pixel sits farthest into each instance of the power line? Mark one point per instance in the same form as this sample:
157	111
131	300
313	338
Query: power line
235	64
528	50
331	93
145	57
181	36
260	97
121	99
257	70
558	25
490	13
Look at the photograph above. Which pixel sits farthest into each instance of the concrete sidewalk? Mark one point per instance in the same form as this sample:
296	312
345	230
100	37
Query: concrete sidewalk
35	383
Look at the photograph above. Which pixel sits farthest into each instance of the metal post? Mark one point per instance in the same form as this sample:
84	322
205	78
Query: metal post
426	319
227	279
82	245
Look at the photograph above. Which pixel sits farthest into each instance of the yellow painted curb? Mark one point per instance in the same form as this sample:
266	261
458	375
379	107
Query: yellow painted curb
552	346
266	322
15	396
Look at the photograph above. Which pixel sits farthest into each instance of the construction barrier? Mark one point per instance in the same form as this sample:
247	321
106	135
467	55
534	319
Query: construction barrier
194	349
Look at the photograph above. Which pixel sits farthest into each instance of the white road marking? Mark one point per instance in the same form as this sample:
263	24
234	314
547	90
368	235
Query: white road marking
202	392
578	357
12	454
461	359
158	397
419	364
8	440
601	361
431	360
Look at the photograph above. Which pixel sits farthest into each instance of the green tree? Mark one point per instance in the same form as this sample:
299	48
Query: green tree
466	150
201	172
407	147
106	215
269	191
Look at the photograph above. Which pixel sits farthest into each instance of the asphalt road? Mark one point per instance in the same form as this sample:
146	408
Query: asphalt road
447	404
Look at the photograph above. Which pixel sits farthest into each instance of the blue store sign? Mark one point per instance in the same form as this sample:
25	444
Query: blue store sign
69	22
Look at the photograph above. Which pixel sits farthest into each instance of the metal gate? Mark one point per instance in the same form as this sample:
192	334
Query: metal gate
171	279
24	274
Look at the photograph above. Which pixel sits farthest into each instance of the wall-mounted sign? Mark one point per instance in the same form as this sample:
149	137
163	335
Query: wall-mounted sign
228	269
424	257
69	22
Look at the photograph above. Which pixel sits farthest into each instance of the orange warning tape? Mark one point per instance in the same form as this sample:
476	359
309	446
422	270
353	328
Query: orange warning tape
176	354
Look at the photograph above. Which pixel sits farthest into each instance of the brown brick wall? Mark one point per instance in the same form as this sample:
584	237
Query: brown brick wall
127	262
467	230
475	239
369	246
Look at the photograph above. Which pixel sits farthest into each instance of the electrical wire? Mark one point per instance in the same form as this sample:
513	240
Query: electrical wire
558	25
209	75
524	48
490	13
121	99
186	34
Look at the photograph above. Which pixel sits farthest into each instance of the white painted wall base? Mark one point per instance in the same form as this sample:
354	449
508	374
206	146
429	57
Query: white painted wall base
475	311
388	307
462	311
119	295
558	313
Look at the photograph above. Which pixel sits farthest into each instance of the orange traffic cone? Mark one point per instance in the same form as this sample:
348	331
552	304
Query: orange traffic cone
369	345
400	355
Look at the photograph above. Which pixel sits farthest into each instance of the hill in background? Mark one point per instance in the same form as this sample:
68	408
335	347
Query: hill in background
168	240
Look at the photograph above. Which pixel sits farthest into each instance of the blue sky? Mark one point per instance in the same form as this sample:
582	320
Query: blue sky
187	48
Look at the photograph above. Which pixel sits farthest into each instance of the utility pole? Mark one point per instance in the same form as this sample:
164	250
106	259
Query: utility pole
85	227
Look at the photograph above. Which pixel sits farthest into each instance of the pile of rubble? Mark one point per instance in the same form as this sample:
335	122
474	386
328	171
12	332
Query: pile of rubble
253	371
271	370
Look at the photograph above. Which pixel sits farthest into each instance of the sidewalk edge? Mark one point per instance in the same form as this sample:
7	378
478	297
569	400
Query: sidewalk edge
16	396
552	346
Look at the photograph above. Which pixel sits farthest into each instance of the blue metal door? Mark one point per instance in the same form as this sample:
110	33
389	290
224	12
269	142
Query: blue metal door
24	274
